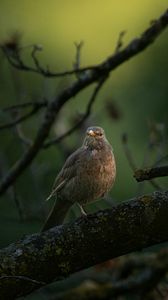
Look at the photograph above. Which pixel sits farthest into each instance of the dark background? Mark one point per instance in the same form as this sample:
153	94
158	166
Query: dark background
133	100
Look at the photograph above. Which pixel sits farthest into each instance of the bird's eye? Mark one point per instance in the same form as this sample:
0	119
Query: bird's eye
99	133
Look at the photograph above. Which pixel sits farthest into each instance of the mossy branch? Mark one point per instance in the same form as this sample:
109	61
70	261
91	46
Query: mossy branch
150	173
39	259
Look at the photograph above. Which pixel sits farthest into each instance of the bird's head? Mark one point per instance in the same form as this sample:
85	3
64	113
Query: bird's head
95	132
95	137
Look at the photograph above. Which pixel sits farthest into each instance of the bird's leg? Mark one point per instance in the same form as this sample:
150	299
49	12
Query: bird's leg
84	214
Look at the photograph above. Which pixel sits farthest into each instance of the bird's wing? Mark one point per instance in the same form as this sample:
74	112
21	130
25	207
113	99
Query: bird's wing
67	172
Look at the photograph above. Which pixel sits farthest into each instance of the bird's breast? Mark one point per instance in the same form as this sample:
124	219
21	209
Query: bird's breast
94	153
96	175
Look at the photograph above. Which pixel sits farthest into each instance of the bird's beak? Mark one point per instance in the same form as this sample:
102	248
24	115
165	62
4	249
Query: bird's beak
91	133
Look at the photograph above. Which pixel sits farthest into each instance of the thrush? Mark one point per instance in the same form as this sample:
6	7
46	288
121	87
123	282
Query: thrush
88	174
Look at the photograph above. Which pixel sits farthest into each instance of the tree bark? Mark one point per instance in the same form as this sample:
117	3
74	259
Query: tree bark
150	173
39	259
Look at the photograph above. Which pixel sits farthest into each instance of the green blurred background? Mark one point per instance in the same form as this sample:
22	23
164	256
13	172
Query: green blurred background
133	100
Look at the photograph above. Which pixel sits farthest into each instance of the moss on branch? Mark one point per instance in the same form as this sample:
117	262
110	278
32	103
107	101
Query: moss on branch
55	254
150	173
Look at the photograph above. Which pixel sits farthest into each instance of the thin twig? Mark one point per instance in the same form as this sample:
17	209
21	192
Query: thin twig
24	105
36	107
132	162
120	41
18	205
78	46
155	185
25	140
20	65
81	121
128	153
36	61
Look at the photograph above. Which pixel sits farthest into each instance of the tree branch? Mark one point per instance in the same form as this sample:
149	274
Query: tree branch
149	173
78	55
141	283
36	106
137	173
55	254
81	121
25	105
15	61
89	77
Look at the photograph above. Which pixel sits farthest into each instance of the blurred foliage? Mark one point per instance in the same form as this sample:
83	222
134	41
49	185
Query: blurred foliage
134	97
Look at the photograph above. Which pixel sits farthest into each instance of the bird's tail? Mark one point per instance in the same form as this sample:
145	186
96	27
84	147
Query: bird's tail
57	214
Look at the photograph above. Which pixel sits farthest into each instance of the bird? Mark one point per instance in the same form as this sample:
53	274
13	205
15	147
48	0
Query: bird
87	175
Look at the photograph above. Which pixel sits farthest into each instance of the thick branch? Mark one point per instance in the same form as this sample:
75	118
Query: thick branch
149	173
110	64
57	253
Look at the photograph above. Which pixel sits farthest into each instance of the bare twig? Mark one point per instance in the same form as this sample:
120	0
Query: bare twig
149	173
20	119
131	160
154	143
36	61
25	140
17	63
81	121
78	46
36	107
134	47
128	152
147	38
24	105
18	205
120	41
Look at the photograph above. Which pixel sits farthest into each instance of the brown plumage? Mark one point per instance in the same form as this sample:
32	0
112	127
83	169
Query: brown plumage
87	175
